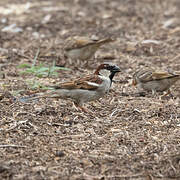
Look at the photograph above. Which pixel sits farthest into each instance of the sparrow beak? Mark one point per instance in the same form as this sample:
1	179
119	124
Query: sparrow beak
116	69
134	82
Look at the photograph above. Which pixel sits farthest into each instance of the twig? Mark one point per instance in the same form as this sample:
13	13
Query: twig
128	176
22	55
35	58
116	176
113	112
176	57
72	136
11	145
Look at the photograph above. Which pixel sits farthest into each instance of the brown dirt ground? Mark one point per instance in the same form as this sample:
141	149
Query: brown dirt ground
129	136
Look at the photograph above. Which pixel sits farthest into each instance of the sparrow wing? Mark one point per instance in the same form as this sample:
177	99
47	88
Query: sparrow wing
106	40
86	83
78	42
163	75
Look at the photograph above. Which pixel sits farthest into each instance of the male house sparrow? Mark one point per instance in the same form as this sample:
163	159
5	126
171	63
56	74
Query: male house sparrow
85	89
82	48
154	81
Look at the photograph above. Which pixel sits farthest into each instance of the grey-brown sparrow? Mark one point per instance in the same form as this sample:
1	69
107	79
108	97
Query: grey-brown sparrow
82	48
154	81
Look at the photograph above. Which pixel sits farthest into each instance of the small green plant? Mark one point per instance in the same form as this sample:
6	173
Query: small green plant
41	70
33	84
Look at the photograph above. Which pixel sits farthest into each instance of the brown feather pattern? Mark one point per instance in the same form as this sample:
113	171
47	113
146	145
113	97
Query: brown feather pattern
81	83
80	42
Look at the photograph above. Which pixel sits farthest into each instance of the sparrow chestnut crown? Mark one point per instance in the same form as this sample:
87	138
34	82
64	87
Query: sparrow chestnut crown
108	66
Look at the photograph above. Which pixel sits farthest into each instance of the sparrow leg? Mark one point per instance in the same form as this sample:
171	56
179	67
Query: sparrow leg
86	64
153	92
82	108
167	93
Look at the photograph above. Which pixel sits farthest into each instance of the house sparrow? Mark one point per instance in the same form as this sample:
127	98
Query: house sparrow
85	89
82	48
154	81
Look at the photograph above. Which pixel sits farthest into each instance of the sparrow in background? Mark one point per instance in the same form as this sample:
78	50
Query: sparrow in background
82	90
155	81
82	48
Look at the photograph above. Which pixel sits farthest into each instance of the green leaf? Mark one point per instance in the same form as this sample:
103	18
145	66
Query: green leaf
62	68
21	66
42	69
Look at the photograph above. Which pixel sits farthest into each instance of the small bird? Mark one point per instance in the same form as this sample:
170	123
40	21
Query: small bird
82	90
155	81
82	48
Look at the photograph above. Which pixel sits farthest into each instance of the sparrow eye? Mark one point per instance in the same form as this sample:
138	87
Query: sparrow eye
108	67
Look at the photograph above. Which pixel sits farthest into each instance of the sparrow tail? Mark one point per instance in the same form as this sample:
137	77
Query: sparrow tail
39	96
103	41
